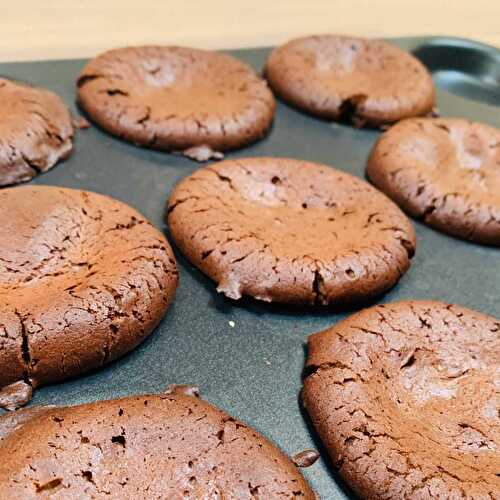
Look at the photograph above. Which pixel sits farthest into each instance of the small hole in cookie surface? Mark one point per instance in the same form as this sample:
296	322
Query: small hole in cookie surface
409	362
118	440
113	92
87	475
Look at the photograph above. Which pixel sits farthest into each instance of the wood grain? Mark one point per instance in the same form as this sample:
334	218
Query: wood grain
53	29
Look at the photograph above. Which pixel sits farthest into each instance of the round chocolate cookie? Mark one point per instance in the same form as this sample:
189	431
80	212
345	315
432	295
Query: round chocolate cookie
35	131
83	279
151	446
444	171
368	82
290	231
177	99
405	397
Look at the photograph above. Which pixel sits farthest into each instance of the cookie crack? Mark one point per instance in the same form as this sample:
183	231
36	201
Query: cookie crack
320	298
133	221
172	207
87	78
31	163
223	178
144	119
313	370
114	314
25	348
350	108
114	92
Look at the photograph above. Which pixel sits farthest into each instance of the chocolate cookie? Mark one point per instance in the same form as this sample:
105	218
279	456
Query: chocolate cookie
405	398
36	131
444	171
177	99
290	231
150	446
83	279
366	81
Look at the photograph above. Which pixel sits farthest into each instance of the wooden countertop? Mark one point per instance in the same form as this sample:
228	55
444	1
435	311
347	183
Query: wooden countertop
54	29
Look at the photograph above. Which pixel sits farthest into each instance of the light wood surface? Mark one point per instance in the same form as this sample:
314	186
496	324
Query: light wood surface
54	29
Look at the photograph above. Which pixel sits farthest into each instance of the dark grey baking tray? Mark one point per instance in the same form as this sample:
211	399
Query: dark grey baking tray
253	370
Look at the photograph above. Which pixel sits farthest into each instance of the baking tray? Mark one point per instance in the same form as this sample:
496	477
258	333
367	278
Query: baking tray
253	369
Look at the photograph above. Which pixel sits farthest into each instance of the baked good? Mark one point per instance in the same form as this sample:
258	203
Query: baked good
290	231
444	171
195	102
36	131
151	446
368	82
84	278
405	398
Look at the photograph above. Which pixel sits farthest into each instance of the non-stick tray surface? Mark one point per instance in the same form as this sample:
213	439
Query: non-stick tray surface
247	356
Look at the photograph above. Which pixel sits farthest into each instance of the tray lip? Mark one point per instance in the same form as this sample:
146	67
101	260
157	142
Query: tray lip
454	42
418	40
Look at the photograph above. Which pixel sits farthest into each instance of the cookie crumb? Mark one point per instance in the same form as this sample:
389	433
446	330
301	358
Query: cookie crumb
185	389
305	458
81	123
15	395
202	153
80	175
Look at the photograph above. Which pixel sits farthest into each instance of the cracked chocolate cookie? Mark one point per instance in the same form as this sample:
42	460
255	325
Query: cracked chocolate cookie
36	131
445	172
83	279
151	446
191	101
367	82
405	397
290	231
